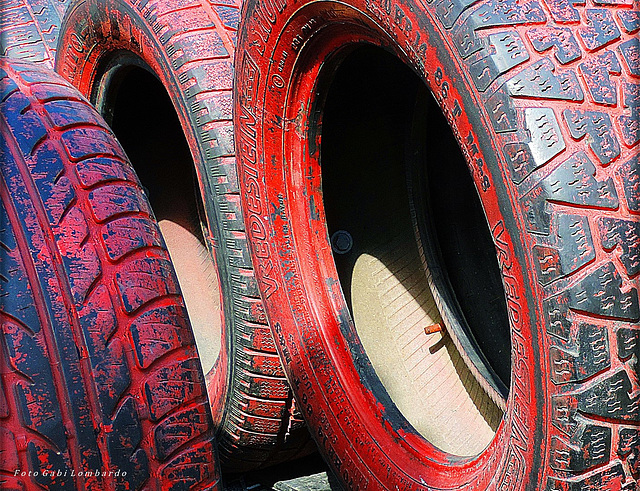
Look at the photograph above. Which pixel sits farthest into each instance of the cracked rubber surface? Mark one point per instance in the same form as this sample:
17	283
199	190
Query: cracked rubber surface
100	385
543	98
29	29
189	46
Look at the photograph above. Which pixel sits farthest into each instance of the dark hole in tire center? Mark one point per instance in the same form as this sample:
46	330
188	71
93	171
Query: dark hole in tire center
386	148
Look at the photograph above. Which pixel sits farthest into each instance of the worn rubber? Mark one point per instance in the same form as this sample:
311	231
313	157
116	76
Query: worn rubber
100	385
543	98
29	29
189	46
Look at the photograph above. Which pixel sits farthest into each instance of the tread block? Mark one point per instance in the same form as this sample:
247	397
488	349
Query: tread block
231	208
172	386
122	444
229	15
79	256
16	294
143	280
258	337
159	331
199	45
501	111
218	140
182	21
573	182
109	201
98	322
7	88
191	467
563	411
596	72
600	29
598	293
82	143
506	50
629	448
38	404
630	52
543	81
31	76
25	43
624	234
53	185
127	234
588	356
16	16
630	123
112	375
629	174
103	169
571	248
610	398
256	424
265	387
25	124
263	364
238	250
628	343
602	139
609	478
492	13
544	142
223	176
245	283
630	20
251	310
563	11
218	106
9	461
258	407
64	113
58	475
560	38
45	91
448	11
590	447
180	428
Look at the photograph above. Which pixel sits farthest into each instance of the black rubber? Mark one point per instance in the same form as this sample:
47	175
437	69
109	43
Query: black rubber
100	384
186	51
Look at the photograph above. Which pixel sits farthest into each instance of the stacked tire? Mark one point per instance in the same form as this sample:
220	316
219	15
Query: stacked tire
101	383
413	224
354	118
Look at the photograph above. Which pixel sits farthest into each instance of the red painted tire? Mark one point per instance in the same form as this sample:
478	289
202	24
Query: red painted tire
29	29
100	385
115	52
540	101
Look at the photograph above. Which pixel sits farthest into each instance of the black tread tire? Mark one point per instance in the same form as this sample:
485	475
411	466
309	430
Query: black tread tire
190	49
98	368
543	99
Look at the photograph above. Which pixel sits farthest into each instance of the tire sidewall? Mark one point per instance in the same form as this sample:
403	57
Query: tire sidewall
356	429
